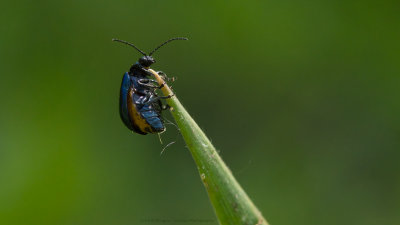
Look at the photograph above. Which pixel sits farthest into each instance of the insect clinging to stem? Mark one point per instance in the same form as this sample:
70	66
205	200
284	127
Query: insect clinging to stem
139	105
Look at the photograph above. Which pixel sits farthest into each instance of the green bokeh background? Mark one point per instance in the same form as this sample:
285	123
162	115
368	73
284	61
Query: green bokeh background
301	99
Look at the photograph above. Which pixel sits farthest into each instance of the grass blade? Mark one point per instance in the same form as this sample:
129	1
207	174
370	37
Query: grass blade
231	204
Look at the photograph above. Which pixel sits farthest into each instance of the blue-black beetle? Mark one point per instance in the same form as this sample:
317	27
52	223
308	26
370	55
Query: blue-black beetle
139	105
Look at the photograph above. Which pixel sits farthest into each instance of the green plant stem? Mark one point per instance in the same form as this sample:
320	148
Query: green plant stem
231	204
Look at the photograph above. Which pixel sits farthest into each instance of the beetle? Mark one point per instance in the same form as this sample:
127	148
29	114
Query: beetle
139	105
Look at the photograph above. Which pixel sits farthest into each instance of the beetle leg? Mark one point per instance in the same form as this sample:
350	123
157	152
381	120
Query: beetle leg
161	86
146	83
165	77
162	75
147	71
149	95
158	98
143	100
149	85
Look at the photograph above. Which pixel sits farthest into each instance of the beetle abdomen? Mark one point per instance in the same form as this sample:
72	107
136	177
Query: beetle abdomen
153	118
144	119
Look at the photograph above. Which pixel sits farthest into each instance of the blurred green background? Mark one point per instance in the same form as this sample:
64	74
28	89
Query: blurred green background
301	99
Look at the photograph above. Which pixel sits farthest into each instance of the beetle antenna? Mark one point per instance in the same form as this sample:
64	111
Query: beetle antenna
130	44
172	39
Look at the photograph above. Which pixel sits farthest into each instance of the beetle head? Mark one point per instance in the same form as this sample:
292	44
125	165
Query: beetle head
146	61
